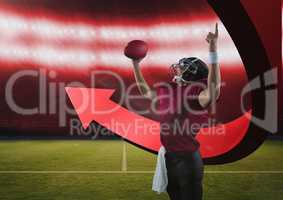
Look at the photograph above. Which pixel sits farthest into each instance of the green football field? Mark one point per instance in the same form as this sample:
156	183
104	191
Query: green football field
102	170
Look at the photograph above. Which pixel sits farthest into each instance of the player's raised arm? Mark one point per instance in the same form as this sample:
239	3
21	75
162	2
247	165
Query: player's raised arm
212	92
144	89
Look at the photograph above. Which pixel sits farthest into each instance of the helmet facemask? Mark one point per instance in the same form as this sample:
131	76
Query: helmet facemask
184	68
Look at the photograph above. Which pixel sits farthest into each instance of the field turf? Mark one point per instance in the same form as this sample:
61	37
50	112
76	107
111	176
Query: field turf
103	170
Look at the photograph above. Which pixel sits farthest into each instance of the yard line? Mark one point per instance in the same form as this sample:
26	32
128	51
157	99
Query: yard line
244	172
124	157
131	172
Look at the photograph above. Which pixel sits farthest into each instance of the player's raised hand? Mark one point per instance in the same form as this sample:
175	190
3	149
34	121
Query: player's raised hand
212	37
136	62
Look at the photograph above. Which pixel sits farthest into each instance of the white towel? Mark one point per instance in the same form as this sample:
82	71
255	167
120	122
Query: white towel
160	179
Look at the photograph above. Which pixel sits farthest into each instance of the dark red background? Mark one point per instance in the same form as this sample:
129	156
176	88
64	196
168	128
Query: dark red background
265	15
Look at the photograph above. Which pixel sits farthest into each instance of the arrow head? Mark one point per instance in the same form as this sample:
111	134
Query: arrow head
89	101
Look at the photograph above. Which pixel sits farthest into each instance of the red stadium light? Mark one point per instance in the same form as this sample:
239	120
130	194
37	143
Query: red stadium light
52	56
52	43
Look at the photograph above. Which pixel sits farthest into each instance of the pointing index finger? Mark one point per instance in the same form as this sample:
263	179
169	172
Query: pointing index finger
216	29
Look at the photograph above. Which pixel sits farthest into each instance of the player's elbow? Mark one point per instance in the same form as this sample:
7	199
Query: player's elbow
217	94
149	95
212	97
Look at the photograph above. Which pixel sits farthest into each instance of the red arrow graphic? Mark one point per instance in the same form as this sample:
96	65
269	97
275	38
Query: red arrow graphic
95	104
